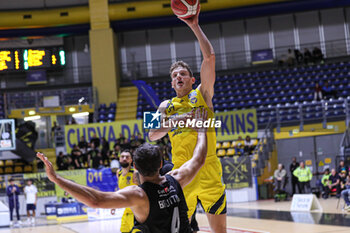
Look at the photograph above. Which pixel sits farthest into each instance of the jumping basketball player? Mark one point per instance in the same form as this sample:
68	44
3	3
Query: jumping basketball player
125	179
207	187
158	203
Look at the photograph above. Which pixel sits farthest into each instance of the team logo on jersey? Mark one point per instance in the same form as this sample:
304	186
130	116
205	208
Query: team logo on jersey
151	120
128	180
192	94
193	100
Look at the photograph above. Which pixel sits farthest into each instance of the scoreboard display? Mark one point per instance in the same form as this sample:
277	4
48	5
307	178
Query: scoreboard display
31	59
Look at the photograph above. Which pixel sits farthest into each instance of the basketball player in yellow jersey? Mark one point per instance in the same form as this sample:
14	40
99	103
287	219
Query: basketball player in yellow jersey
126	178
207	187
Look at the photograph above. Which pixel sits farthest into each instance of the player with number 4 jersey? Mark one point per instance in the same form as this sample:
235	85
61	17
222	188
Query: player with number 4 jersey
158	203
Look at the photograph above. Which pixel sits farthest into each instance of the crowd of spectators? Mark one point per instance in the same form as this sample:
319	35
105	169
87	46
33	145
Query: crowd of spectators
244	146
295	57
333	182
336	181
96	153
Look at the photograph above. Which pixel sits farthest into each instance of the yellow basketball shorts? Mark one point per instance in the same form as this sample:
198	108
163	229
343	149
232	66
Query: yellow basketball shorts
207	188
127	222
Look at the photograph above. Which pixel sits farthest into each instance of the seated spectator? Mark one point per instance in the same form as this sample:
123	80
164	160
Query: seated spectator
298	56
342	167
91	155
95	140
307	56
97	161
317	55
290	58
248	145
105	149
343	180
333	183
78	158
347	184
240	145
69	163
325	179
115	164
345	193
304	176
125	145
328	91
318	92
140	138
83	145
117	150
280	176
61	165
133	142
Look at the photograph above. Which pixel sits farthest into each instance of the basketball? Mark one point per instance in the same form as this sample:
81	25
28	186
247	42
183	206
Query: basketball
185	8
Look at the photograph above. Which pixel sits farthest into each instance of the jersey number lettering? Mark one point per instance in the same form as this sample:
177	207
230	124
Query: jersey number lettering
175	222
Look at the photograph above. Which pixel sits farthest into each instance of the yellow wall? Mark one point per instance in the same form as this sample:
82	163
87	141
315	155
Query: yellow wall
270	168
310	130
103	45
118	11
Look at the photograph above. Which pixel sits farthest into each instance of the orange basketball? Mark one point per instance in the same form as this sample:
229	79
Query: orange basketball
185	8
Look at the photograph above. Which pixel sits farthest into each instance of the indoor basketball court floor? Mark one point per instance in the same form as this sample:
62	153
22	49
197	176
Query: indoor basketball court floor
259	216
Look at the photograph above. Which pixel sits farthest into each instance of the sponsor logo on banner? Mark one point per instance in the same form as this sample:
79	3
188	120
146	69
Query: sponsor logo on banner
232	124
236	123
77	176
236	172
109	131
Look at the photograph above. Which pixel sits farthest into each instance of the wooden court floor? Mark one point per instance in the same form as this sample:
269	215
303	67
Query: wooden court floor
235	223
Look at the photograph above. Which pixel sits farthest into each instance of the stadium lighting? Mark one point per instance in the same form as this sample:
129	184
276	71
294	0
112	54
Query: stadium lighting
25	58
72	109
31	112
32	118
62	57
81	114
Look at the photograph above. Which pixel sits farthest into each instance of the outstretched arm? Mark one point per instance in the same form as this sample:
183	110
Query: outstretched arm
128	197
185	174
208	64
155	134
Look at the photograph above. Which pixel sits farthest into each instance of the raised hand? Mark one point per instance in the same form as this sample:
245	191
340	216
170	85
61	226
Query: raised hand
193	20
51	174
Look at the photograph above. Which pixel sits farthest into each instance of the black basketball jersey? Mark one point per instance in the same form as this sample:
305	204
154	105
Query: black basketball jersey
168	208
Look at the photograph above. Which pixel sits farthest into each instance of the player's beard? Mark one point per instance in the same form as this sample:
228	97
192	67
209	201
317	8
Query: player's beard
124	165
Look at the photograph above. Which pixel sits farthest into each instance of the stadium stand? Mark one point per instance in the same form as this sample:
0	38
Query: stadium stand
106	114
28	99
286	94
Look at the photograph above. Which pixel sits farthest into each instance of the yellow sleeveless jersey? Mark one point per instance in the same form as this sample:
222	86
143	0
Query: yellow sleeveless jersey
183	140
124	181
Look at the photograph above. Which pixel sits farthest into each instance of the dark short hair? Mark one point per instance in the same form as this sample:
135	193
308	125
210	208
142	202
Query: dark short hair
180	64
126	151
147	159
11	180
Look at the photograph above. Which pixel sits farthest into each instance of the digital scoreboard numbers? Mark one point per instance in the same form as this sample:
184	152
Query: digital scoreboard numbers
31	59
6	60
